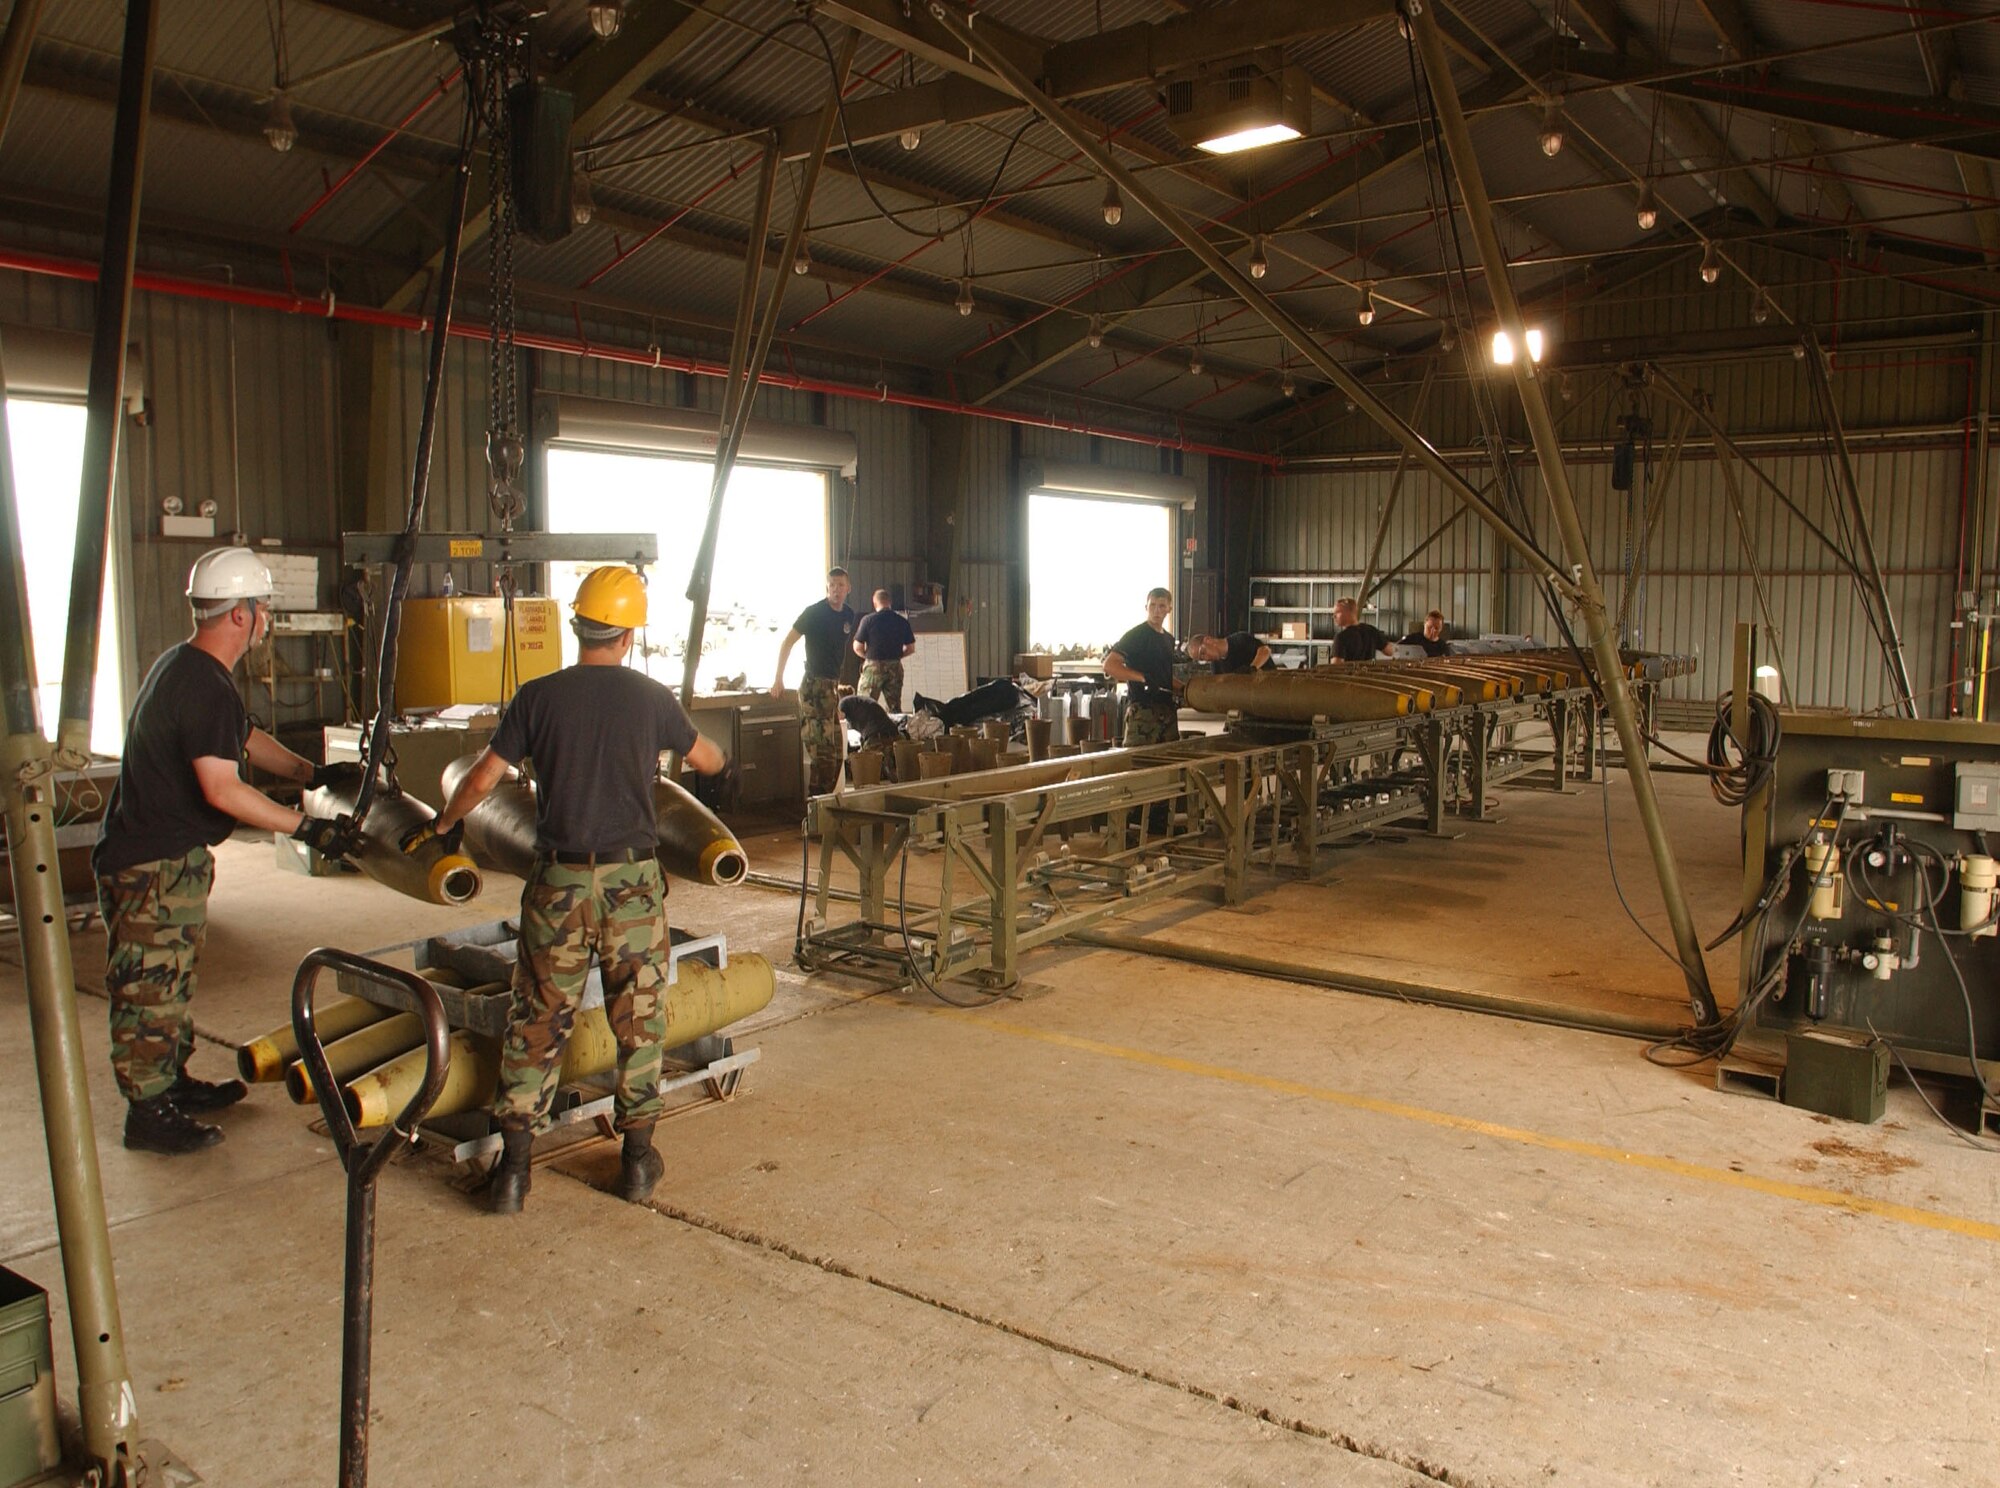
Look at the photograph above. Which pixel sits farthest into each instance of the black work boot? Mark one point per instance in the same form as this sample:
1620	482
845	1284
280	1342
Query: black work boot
507	1184
158	1125
190	1094
641	1167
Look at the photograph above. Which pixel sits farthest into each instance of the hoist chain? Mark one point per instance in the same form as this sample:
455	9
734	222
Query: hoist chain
500	62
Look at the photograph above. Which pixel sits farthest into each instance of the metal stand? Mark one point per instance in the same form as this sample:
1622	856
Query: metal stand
364	1161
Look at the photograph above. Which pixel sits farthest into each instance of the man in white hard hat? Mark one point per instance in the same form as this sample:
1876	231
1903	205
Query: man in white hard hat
180	791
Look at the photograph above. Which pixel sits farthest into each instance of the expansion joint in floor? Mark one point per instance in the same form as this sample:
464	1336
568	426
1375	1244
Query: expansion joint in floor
1428	1471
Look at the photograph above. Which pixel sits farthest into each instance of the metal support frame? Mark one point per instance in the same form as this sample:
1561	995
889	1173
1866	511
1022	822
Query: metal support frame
1874	590
105	401
1586	592
1265	796
740	392
1396	485
1088	144
106	1404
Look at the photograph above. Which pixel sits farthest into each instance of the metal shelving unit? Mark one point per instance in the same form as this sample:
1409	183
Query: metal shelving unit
1307	599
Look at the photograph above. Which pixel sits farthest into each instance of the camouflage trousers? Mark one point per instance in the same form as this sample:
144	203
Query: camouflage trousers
883	681
155	918
571	914
819	731
1151	723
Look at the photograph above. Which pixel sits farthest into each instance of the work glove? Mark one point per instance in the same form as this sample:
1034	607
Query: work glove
330	837
416	837
323	776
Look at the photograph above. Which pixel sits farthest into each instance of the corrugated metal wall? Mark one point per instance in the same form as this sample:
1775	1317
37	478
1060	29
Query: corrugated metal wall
1697	583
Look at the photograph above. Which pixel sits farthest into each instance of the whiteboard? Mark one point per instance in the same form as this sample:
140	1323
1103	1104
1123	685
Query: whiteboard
936	668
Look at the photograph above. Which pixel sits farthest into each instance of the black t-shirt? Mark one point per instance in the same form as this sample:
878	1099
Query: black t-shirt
1243	648
188	709
885	633
828	633
1150	653
1359	642
595	734
1431	647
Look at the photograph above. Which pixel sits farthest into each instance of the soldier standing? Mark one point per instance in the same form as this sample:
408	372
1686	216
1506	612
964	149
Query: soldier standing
181	791
882	640
1143	659
828	630
595	732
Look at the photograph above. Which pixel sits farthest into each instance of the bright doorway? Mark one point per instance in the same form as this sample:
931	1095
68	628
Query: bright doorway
1090	563
47	440
770	555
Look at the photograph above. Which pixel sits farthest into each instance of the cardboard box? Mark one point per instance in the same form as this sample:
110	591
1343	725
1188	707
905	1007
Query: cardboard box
1037	664
1294	630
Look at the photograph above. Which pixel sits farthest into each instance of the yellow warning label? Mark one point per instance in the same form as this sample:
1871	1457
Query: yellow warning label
1916	761
1904	798
467	547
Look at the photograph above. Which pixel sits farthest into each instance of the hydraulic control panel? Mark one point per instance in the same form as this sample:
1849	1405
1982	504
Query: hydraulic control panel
1871	887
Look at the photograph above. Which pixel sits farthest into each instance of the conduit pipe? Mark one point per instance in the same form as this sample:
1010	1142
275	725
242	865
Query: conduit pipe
331	308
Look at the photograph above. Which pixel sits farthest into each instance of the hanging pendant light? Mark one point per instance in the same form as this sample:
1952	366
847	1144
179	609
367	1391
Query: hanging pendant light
964	300
582	201
606	16
1259	265
1114	204
1711	263
279	129
1649	208
1095	335
1366	314
1552	131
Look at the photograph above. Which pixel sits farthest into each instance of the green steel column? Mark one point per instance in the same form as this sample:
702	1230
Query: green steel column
1588	594
104	406
106	1402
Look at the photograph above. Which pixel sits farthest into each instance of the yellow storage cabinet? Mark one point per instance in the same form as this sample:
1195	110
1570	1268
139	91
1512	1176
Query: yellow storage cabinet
452	649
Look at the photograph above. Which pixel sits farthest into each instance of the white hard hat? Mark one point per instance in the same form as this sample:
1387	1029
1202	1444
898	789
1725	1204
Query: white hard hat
228	573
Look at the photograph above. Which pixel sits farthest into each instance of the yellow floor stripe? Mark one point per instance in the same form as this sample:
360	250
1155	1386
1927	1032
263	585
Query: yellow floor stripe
1802	1193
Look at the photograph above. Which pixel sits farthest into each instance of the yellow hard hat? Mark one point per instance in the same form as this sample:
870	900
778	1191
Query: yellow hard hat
613	595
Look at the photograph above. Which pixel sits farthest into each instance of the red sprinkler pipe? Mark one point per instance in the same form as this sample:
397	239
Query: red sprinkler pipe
329	308
377	148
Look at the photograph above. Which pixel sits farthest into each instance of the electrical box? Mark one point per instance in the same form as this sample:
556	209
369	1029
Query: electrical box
1847	785
454	650
1841	1076
1976	799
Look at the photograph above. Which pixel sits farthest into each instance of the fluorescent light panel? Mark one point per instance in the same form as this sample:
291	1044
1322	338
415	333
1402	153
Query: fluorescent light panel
1248	139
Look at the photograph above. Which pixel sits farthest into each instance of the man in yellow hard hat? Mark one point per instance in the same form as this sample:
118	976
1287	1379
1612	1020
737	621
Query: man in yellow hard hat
595	732
180	792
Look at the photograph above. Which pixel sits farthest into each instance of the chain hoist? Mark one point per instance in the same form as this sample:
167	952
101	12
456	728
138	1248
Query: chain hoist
497	57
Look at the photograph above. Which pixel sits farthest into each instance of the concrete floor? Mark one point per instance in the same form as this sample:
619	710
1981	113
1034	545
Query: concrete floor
1148	1222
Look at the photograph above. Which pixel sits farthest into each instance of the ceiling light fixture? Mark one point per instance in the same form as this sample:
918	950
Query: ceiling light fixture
1259	265
1649	208
1711	263
1114	204
582	202
1503	347
802	265
1552	132
606	16
1286	386
910	138
1448	338
1760	309
1194	361
964	300
1095	335
1366	314
1240	103
278	126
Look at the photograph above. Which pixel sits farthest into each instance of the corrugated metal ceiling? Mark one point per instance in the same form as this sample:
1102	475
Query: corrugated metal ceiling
217	63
